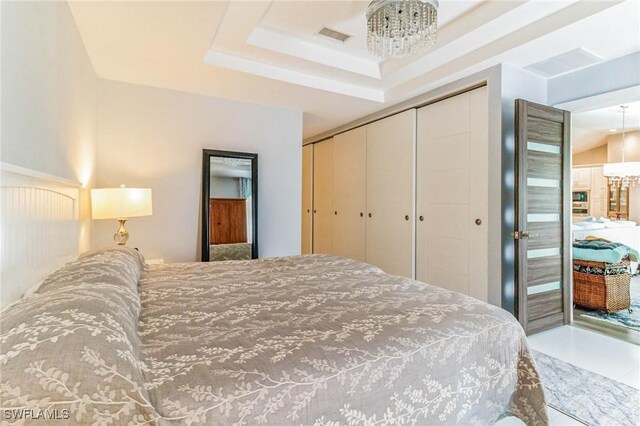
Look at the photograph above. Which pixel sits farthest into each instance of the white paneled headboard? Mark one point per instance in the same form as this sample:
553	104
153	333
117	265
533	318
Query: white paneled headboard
38	228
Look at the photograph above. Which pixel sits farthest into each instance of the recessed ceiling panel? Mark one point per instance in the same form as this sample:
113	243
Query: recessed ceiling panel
564	63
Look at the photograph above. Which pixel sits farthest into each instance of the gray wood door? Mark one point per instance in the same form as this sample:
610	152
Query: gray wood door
543	208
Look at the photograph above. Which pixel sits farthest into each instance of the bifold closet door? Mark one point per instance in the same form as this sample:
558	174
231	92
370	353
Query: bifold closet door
390	193
349	189
452	194
307	199
323	196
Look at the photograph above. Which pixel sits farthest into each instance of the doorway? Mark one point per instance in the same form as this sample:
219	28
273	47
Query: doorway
607	211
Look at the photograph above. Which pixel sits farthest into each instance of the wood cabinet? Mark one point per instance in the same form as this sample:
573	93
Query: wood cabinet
323	197
598	193
307	200
598	183
228	220
618	203
581	178
591	179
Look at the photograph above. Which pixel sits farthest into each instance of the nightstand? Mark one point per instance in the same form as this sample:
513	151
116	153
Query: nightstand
154	261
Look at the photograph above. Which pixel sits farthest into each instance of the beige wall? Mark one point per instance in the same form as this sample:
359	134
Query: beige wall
48	97
631	153
596	155
611	152
154	138
631	147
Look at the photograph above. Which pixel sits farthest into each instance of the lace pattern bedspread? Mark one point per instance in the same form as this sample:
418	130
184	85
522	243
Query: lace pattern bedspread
326	340
308	340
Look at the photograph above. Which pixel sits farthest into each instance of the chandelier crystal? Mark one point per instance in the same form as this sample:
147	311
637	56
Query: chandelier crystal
399	28
622	174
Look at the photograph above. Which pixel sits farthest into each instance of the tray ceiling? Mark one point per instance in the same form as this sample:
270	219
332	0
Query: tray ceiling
270	53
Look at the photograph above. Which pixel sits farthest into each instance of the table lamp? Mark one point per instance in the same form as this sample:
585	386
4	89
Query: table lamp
120	204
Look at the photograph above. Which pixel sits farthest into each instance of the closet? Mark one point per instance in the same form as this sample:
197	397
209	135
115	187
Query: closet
323	197
307	199
409	193
452	203
349	193
390	193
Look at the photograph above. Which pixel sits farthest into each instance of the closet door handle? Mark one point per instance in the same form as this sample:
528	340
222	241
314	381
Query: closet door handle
478	222
421	218
314	210
308	210
361	214
335	213
406	217
369	214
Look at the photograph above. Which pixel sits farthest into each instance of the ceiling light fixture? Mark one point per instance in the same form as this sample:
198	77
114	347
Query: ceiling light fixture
623	173
399	28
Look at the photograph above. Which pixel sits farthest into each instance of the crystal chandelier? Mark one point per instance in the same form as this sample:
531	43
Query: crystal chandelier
624	173
398	28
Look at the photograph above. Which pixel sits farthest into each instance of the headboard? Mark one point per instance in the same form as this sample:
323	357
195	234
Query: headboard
38	227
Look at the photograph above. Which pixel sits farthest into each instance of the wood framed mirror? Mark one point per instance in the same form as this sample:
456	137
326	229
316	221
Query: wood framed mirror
229	205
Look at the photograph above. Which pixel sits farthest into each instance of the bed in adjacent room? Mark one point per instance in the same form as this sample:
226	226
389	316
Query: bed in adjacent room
236	251
295	340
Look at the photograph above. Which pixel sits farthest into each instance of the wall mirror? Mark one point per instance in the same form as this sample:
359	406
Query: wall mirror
229	205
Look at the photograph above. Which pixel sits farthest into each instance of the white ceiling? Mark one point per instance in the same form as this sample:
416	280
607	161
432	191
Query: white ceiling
267	52
219	168
590	128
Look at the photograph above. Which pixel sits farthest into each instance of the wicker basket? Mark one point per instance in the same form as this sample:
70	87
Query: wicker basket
602	286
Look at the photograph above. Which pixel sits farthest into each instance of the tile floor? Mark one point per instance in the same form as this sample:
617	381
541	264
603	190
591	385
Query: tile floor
595	352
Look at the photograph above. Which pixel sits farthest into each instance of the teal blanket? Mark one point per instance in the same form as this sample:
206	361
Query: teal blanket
602	251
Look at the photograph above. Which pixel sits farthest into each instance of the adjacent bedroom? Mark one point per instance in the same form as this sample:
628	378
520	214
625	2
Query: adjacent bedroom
309	212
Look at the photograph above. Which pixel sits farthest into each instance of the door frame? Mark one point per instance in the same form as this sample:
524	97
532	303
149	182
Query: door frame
520	210
206	194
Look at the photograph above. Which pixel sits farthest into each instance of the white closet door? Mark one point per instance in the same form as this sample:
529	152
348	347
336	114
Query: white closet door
323	196
349	189
390	193
452	194
307	199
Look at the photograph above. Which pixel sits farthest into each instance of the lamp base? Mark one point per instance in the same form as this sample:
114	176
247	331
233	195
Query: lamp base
122	235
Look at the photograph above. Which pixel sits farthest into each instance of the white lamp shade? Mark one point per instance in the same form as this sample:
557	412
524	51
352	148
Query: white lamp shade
120	203
628	168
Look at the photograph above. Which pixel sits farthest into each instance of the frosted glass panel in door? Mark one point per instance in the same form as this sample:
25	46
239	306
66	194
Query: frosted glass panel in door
390	193
307	199
323	196
349	177
452	194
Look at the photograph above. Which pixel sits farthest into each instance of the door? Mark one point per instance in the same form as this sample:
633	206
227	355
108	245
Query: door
229	219
307	199
452	194
323	196
349	193
543	216
390	193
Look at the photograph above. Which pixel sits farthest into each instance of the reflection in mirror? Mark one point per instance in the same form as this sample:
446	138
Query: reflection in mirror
229	206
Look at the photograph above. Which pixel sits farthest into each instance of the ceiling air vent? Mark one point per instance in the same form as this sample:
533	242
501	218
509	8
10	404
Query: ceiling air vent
564	63
333	34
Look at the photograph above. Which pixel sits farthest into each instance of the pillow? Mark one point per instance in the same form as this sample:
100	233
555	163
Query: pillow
116	266
106	250
74	346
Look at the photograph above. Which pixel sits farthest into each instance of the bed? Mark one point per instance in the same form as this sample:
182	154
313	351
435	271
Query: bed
625	232
313	339
236	251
